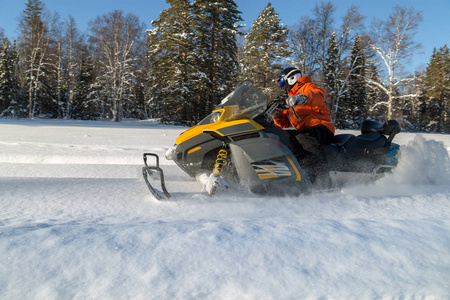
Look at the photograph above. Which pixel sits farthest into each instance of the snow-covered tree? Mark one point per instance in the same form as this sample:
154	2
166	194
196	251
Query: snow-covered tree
299	37
8	78
215	44
393	42
173	74
57	65
332	80
73	45
437	91
116	37
266	46
345	85
375	95
87	101
355	106
33	48
310	40
414	109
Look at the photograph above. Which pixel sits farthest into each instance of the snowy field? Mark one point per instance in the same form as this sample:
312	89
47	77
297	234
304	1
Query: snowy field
77	222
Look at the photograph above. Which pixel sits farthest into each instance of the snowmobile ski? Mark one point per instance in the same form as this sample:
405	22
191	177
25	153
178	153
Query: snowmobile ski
150	171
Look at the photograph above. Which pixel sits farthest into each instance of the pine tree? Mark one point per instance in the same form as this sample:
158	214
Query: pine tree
73	50
58	66
33	50
266	45
356	106
172	71
414	109
86	104
215	44
376	96
8	78
438	91
138	108
332	85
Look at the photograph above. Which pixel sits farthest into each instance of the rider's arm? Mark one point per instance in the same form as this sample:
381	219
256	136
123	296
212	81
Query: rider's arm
281	120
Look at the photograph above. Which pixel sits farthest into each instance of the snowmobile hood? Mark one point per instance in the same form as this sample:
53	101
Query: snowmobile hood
219	123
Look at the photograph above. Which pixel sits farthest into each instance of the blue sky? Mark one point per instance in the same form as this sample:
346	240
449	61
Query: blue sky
434	30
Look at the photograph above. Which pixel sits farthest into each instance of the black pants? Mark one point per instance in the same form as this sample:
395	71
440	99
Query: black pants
311	154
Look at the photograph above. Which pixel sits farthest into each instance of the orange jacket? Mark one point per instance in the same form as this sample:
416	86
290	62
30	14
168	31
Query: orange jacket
313	112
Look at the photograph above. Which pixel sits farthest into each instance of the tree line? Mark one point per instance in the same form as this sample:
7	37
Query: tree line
196	53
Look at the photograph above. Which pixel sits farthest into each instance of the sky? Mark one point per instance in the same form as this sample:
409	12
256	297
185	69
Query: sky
434	30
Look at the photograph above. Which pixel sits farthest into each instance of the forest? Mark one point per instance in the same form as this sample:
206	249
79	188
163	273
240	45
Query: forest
179	67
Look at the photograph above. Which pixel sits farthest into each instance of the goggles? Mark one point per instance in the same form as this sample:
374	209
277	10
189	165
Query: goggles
283	79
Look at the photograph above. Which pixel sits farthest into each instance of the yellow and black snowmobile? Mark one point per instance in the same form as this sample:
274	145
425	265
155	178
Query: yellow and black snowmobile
239	144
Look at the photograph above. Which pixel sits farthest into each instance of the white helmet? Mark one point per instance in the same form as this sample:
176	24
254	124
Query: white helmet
289	76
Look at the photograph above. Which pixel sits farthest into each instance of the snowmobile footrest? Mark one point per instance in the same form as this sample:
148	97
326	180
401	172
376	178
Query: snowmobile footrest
150	170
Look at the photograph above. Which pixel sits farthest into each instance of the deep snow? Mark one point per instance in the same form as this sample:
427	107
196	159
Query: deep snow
77	222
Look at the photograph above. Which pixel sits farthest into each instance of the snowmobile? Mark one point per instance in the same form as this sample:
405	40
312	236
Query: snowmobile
238	143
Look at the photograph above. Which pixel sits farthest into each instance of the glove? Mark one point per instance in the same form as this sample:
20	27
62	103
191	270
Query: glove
296	100
277	112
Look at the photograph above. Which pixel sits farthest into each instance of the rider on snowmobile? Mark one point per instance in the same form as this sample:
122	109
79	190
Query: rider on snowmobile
308	114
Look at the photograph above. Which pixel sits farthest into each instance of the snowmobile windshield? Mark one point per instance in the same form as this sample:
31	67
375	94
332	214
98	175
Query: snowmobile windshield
251	101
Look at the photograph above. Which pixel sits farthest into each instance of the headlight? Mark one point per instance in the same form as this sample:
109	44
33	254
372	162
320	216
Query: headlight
171	153
211	118
215	117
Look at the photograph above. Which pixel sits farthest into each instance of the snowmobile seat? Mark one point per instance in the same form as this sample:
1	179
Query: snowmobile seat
369	126
340	139
357	146
388	128
391	128
348	152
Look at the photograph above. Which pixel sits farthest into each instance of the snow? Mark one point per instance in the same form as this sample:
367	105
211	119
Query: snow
77	222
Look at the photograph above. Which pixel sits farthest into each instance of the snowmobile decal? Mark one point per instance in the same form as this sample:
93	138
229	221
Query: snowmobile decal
194	149
273	168
299	177
237	129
